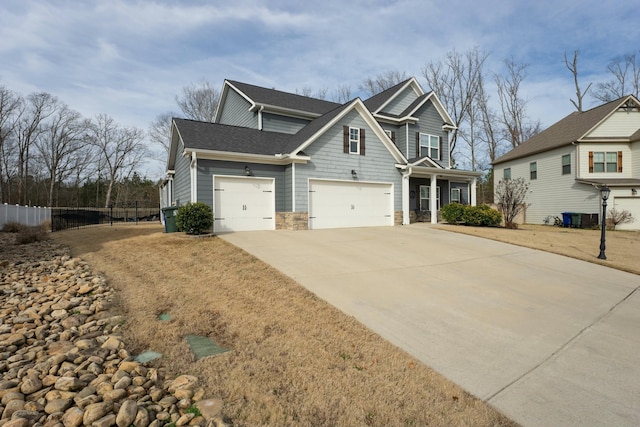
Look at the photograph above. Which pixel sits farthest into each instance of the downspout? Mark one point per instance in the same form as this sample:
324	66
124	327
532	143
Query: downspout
405	196
293	187
406	138
194	177
260	117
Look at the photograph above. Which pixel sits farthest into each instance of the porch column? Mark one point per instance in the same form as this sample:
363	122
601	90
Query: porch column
474	183
405	197
433	199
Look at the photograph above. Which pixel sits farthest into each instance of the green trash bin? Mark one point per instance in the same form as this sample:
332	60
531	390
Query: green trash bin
170	213
576	220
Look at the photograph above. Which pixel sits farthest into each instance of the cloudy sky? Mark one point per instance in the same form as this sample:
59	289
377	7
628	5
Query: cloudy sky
129	59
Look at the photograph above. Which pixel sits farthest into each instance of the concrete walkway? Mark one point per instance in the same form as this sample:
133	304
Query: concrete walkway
548	340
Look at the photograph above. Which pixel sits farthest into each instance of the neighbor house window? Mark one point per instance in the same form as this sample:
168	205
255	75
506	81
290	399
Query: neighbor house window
354	140
455	195
533	170
605	161
566	164
425	198
430	146
507	174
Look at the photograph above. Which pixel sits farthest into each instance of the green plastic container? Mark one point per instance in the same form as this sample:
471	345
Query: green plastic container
170	213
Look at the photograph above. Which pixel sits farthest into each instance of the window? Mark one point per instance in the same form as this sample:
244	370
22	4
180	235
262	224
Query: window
430	146
455	195
566	164
507	173
389	133
425	199
354	140
533	170
605	161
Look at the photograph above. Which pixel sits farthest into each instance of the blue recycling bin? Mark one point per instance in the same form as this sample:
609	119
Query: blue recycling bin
566	219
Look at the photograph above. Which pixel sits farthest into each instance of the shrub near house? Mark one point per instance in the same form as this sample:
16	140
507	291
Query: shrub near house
482	215
194	218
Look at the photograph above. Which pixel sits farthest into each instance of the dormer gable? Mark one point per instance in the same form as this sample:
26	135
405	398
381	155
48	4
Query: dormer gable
621	123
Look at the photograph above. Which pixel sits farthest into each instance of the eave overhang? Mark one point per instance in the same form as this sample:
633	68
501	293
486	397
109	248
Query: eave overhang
271	159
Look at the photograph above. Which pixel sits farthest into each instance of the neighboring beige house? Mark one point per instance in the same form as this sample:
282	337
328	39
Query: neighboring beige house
568	163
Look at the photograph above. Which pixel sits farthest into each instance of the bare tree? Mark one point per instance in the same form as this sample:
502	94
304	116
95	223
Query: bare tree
373	85
9	103
120	149
160	131
510	196
456	81
616	217
572	66
58	145
516	125
199	101
308	92
626	79
35	109
342	94
489	134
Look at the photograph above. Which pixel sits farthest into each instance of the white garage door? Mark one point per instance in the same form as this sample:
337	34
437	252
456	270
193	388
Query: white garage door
631	204
338	204
243	203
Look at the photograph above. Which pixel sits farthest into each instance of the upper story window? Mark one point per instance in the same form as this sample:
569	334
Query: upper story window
430	146
566	164
506	174
354	140
605	161
533	170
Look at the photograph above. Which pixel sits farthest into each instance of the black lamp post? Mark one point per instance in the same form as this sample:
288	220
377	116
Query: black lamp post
604	192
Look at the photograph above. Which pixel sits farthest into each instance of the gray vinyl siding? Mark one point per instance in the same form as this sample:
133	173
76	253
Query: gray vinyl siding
430	122
328	161
399	131
288	172
284	124
235	111
401	102
182	178
208	168
551	193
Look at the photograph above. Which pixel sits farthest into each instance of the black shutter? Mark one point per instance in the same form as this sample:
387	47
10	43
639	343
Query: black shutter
362	142
345	139
440	150
417	144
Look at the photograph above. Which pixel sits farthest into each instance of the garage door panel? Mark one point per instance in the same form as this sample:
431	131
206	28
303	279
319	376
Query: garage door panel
243	204
631	204
336	204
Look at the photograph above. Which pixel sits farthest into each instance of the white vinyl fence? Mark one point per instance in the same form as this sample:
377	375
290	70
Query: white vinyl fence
28	215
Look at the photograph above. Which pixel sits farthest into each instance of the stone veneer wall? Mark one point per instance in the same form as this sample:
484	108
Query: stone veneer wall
292	221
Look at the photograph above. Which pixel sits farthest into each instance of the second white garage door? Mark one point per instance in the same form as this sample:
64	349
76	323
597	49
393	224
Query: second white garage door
339	204
631	204
243	203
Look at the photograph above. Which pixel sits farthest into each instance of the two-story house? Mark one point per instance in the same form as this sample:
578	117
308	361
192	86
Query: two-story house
568	163
277	160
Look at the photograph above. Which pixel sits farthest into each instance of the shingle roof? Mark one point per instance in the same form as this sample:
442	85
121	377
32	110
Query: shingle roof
314	126
568	130
377	100
235	139
261	95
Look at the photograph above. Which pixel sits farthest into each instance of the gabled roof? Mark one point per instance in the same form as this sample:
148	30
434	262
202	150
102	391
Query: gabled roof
277	100
375	102
198	136
571	129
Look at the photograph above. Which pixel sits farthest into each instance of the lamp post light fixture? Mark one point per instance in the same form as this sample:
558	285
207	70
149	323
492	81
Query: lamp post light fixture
604	192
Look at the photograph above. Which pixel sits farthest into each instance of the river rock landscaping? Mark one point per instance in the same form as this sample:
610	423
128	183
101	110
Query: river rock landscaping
62	359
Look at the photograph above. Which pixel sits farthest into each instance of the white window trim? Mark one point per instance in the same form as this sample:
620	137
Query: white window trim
504	174
533	169
356	141
565	156
458	197
429	146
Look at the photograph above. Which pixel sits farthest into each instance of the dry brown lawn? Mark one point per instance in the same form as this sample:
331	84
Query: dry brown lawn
622	247
295	360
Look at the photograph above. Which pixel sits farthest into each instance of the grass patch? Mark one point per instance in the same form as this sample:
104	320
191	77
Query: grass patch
296	360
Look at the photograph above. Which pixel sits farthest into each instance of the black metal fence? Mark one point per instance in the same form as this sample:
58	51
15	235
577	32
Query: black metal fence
66	218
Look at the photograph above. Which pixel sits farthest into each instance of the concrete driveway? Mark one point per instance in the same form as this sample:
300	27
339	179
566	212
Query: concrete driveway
548	340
